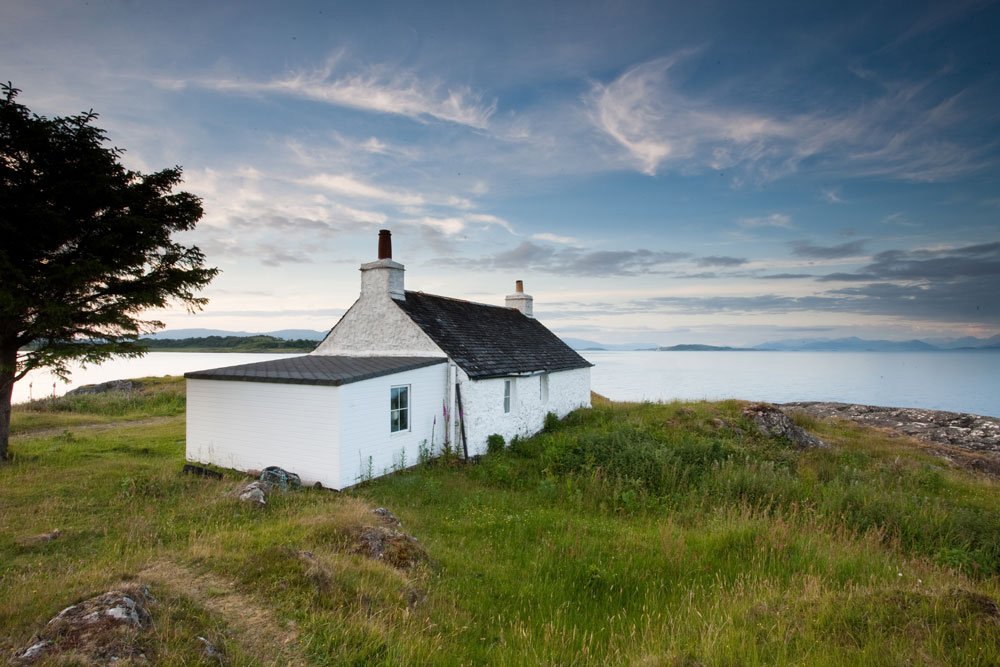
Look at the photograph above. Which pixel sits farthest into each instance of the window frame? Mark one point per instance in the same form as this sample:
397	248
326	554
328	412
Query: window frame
508	395
400	413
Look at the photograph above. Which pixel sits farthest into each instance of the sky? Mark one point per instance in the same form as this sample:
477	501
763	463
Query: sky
663	172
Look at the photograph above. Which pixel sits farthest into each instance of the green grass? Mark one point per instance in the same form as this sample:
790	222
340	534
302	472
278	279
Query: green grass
627	534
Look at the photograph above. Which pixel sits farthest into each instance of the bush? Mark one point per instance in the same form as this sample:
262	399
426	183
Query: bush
495	443
551	422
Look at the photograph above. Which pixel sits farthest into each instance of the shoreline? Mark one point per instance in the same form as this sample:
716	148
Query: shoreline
969	440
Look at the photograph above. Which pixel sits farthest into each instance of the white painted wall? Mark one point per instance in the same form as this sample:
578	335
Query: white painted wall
483	404
365	428
376	327
252	425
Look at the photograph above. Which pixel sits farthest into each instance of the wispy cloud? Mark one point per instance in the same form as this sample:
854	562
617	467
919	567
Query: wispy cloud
832	195
355	188
722	261
773	220
911	130
576	261
375	88
656	123
840	251
556	238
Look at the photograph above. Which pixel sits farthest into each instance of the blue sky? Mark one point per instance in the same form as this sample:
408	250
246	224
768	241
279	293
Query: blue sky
654	172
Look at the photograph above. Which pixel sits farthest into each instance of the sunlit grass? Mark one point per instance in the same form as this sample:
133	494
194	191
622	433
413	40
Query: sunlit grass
628	534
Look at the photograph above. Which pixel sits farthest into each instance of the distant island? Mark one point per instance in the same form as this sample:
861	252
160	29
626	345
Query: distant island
848	344
703	348
251	343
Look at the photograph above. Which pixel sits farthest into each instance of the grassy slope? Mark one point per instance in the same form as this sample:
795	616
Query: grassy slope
649	534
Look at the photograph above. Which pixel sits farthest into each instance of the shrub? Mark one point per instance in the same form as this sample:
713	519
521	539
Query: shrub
551	422
495	443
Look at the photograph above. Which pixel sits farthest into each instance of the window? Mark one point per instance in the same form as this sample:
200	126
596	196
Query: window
543	388
399	408
508	390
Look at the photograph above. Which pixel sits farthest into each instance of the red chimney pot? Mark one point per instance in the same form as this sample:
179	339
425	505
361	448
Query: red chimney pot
384	244
519	286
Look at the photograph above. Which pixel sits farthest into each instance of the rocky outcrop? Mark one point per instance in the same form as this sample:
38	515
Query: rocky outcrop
774	423
102	630
123	386
389	545
972	432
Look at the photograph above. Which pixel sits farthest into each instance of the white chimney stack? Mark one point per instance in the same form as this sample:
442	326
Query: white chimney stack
519	300
383	276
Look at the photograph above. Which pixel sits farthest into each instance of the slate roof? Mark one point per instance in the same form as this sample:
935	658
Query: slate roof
316	369
489	341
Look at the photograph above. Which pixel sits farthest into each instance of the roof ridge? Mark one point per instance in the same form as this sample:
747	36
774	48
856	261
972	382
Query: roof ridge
451	298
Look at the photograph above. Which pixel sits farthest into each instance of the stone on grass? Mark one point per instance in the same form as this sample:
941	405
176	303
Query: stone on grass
387	516
104	629
281	478
255	493
389	545
774	423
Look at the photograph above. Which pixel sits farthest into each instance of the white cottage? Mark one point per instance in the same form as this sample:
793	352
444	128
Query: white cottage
383	383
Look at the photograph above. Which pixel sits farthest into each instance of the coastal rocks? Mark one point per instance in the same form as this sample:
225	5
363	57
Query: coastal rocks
971	432
774	423
101	630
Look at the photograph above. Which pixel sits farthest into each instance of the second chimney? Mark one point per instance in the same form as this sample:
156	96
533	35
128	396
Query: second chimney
519	300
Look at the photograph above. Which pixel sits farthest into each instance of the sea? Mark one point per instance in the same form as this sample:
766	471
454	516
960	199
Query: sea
959	381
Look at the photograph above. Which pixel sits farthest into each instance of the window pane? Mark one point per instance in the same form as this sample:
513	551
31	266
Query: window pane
394	420
404	420
404	397
394	398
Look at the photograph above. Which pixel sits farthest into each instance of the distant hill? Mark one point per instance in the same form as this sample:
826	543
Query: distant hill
689	347
285	334
851	344
593	346
965	342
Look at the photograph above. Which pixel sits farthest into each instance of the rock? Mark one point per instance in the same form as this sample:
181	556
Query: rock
100	630
774	423
390	545
123	386
255	492
388	517
281	478
210	651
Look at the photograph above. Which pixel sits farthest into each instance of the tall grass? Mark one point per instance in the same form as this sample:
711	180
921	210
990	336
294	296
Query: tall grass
628	534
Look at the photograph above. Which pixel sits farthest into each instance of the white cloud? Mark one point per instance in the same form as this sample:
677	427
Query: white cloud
656	123
780	220
378	88
555	238
354	188
832	195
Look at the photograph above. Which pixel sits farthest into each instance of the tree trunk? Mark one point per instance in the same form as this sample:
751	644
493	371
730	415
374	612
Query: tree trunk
8	359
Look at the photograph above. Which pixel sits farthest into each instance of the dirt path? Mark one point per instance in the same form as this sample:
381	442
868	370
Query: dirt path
97	428
255	625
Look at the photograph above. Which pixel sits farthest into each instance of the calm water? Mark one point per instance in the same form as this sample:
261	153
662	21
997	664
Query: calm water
959	381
